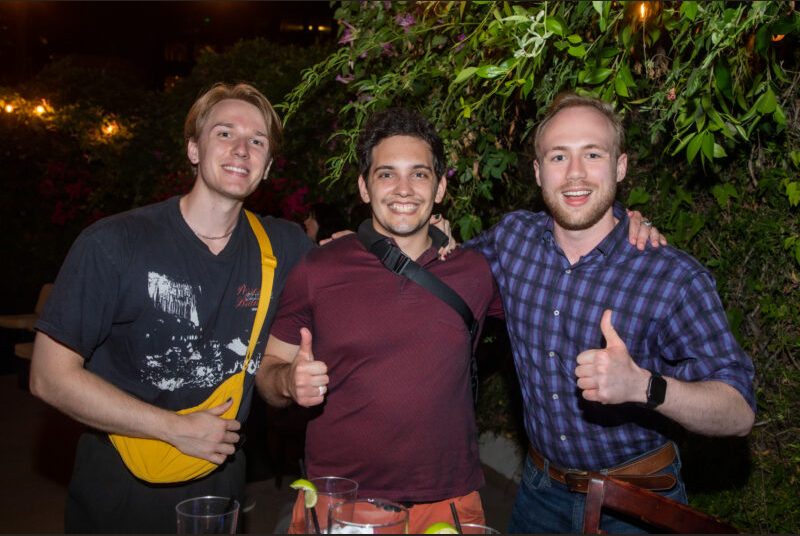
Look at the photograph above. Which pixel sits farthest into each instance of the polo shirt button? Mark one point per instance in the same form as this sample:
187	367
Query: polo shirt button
555	397
563	437
556	313
567	271
551	354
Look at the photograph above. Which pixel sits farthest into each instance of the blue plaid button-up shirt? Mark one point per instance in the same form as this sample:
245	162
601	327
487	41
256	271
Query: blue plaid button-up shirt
665	307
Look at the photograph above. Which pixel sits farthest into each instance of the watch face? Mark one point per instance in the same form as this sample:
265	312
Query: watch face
656	390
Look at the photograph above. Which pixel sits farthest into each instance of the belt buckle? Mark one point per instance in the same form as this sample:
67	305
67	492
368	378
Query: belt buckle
575	475
577	480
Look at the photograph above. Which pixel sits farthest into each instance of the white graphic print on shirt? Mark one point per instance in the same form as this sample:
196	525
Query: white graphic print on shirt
190	358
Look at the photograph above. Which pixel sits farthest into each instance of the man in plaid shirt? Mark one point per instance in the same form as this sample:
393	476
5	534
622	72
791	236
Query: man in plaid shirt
612	345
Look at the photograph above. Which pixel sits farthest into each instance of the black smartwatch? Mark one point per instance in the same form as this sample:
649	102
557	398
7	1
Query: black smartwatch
656	390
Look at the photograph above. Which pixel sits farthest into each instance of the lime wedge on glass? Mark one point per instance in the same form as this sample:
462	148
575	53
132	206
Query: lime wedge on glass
310	491
441	528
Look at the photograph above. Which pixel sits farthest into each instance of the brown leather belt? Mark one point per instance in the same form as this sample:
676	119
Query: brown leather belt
640	472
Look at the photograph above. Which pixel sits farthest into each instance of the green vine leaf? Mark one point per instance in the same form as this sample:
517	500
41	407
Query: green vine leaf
465	74
694	146
598	76
689	10
637	196
555	25
723	193
490	71
793	192
578	51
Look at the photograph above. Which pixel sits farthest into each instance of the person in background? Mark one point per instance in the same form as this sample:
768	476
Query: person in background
323	220
612	345
153	309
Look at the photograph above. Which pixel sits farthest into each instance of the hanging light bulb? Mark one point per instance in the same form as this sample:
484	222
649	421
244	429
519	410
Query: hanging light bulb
110	128
643	11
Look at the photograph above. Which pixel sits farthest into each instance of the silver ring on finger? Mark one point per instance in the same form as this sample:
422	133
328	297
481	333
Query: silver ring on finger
647	223
322	390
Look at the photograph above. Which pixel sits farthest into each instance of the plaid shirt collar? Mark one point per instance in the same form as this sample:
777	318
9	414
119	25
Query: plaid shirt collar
607	247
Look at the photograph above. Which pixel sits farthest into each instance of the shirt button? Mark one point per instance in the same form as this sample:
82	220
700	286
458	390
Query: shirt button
556	313
551	354
555	397
567	271
563	437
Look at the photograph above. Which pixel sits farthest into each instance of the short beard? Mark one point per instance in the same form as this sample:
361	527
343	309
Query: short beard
572	221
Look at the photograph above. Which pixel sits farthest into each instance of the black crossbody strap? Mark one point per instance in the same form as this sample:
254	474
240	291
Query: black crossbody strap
398	262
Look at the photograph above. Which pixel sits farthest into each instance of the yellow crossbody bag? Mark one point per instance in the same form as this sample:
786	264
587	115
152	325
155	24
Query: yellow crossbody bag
159	462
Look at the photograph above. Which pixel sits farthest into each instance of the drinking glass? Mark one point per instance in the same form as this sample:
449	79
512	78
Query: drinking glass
207	515
368	516
331	490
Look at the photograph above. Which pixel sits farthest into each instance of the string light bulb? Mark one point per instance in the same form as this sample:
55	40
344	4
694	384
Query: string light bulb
643	11
776	38
110	128
8	108
39	110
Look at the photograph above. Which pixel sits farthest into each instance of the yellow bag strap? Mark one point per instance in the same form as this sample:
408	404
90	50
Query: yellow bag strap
268	265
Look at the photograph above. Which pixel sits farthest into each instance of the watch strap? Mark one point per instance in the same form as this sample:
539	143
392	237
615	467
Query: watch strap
656	390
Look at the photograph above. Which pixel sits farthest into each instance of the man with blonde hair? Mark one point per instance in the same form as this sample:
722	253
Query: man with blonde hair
154	308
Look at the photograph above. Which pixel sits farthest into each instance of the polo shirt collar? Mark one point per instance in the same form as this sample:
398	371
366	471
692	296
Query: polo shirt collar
368	235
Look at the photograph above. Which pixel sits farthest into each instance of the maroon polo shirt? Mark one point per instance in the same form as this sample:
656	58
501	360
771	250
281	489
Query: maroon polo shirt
398	416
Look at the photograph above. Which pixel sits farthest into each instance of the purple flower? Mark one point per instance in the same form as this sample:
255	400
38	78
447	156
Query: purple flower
451	172
405	21
460	40
349	35
387	5
388	49
344	79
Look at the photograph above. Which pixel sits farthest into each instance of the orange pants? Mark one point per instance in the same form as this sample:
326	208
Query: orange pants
420	516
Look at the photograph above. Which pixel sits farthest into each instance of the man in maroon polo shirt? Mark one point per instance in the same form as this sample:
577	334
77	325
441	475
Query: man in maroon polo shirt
388	368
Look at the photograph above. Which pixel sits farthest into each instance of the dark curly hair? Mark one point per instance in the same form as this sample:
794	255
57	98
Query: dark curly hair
398	122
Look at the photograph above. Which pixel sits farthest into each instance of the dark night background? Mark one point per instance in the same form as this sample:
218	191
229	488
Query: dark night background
153	40
135	45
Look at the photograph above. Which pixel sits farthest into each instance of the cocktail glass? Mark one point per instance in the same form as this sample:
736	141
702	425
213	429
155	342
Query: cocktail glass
368	516
331	490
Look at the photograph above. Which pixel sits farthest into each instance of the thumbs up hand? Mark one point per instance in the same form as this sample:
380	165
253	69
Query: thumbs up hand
609	375
309	377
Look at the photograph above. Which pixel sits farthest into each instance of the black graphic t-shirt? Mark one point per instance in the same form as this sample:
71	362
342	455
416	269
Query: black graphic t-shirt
155	313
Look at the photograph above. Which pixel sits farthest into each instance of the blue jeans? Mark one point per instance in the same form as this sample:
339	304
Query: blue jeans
544	505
